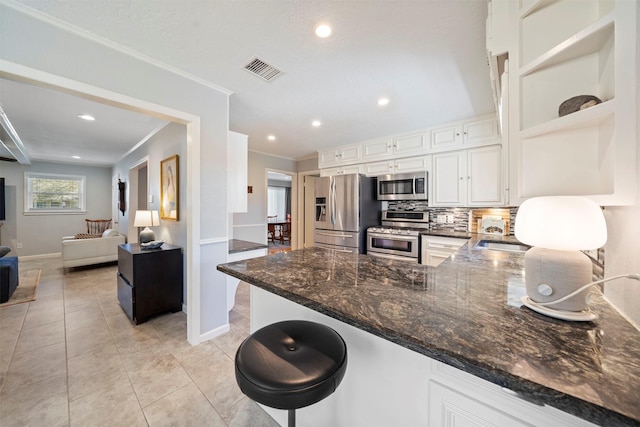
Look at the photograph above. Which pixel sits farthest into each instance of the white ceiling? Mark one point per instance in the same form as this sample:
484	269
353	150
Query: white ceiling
427	56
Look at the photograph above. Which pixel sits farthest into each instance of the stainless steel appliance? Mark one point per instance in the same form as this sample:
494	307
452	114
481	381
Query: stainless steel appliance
345	207
410	186
394	243
399	236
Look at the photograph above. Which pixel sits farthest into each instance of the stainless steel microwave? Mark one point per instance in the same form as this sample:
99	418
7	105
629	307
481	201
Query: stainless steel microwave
406	186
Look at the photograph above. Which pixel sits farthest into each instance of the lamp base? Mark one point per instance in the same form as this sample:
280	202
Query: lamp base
577	316
146	236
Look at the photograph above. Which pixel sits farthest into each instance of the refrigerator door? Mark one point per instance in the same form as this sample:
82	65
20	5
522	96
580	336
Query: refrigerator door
323	203
345	203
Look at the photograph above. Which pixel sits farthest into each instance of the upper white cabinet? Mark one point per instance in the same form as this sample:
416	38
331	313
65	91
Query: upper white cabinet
465	134
473	177
342	155
409	164
237	169
564	49
341	170
399	146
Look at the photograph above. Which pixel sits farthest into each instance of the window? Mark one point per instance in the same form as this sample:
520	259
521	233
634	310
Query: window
276	202
53	193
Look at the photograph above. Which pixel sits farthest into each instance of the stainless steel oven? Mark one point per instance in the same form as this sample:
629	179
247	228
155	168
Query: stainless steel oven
393	243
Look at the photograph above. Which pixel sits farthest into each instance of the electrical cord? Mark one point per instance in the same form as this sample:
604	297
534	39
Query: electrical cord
577	291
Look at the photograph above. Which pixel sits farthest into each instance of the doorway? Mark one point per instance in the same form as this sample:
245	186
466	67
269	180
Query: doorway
306	209
280	204
138	191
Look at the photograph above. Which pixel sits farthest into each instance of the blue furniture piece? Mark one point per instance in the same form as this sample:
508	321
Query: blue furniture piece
8	277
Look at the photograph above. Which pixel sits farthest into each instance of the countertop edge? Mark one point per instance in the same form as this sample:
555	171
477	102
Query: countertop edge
535	392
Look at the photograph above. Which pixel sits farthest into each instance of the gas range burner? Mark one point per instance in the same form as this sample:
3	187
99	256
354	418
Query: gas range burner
395	230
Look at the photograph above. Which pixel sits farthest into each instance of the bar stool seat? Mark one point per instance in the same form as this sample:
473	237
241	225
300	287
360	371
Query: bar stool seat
291	364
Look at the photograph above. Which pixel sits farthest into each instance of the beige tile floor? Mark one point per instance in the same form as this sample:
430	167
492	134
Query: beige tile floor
72	358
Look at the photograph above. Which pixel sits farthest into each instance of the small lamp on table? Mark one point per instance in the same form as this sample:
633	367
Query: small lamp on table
146	219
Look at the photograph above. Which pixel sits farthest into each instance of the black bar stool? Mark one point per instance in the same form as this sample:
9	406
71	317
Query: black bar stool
291	364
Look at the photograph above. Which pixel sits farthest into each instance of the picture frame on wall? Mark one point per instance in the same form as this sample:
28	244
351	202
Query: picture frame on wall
169	180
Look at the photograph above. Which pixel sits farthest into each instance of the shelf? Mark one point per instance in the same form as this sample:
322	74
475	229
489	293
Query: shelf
589	40
584	118
533	7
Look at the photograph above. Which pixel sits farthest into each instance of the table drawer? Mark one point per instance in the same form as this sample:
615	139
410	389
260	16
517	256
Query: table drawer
126	297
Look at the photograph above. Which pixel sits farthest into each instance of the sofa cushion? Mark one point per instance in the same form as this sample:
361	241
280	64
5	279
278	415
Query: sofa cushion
109	232
4	250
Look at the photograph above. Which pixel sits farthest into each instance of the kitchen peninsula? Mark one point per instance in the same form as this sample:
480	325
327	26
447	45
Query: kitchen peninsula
465	317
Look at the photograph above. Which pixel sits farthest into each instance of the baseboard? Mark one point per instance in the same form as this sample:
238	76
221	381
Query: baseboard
40	256
215	333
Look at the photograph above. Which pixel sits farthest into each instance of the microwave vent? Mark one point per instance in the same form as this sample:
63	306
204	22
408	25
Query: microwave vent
258	67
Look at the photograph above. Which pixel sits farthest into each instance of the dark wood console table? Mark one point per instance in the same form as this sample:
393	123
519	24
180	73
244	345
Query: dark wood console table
149	280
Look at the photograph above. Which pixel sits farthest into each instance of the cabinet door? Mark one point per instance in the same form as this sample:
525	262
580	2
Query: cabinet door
327	158
377	149
237	169
408	144
350	169
446	137
450	408
485	176
412	164
449	179
330	171
378	168
479	132
350	154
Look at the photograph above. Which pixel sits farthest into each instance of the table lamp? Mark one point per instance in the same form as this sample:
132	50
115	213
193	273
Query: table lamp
146	219
557	228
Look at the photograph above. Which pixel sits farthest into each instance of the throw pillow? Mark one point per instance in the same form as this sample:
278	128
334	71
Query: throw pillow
109	232
4	250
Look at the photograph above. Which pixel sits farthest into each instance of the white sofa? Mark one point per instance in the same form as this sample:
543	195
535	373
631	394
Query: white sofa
79	252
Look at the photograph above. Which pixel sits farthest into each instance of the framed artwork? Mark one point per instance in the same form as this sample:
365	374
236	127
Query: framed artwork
169	188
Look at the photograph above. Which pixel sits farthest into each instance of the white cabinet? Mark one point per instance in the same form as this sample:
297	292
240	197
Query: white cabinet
395	147
342	170
409	164
465	134
435	249
340	156
473	177
565	49
237	169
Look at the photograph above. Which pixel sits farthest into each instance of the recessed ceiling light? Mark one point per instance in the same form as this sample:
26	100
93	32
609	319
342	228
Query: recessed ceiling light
316	123
87	117
271	138
323	30
76	157
383	101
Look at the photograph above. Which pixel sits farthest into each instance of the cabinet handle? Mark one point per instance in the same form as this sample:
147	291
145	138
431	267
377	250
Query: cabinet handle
461	178
468	177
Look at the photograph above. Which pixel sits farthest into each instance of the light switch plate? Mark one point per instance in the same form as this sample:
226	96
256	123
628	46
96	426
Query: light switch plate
150	198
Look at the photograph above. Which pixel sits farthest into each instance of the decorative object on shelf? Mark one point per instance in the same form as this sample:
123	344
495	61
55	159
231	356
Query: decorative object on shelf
558	228
122	204
578	103
169	196
146	219
155	244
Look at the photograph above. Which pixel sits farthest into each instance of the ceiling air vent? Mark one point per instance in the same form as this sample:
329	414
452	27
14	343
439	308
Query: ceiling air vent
261	69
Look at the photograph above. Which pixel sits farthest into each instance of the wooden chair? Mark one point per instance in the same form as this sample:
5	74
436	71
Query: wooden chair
97	226
271	228
285	232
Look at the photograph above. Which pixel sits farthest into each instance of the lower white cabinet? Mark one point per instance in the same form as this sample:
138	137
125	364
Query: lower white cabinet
435	249
473	177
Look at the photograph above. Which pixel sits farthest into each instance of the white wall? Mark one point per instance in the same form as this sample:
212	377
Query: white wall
622	251
42	234
252	226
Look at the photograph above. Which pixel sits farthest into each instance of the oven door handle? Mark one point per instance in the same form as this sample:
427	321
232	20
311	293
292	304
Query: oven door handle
394	257
393	237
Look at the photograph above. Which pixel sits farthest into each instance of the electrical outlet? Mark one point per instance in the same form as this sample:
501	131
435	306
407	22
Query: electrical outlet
19	245
449	219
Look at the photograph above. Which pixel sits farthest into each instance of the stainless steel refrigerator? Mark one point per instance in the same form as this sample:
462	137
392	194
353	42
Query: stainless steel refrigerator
345	207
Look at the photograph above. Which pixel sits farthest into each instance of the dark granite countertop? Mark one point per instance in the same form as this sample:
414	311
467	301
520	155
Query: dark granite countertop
236	246
466	313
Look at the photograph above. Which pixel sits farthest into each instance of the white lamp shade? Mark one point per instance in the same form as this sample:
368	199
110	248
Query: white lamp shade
146	219
562	223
